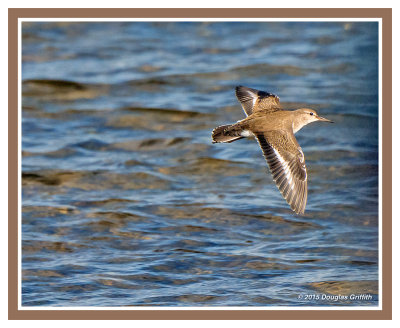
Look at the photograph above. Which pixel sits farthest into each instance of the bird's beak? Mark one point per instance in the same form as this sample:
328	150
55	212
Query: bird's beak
320	118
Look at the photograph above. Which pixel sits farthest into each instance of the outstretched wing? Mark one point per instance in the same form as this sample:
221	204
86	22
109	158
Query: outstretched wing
287	165
253	100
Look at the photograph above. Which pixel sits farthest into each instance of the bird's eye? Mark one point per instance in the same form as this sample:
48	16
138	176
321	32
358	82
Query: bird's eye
311	113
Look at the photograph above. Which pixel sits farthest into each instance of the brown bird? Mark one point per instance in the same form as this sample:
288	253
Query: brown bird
274	129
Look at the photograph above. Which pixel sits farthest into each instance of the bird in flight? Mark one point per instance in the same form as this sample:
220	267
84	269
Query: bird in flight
274	129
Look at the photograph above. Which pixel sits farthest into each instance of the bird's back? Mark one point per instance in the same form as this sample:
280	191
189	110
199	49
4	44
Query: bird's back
261	121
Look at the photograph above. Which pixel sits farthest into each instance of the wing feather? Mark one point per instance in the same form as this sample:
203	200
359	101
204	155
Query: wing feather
287	165
253	100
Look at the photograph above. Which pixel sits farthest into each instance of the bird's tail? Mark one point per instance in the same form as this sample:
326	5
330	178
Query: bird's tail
226	133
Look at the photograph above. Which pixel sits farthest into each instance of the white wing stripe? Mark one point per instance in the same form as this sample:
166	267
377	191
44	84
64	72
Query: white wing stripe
285	166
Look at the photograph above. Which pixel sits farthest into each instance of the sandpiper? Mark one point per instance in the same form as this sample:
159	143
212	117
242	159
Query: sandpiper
274	129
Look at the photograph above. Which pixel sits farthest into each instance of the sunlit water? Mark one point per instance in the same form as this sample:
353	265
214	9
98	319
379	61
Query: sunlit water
125	200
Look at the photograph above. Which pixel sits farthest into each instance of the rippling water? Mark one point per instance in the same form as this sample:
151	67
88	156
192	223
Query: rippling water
125	201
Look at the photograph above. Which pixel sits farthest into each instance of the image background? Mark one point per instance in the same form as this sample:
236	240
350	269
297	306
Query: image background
126	201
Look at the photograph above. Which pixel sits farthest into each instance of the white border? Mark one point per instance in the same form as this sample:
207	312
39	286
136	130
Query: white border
169	19
380	161
227	308
19	180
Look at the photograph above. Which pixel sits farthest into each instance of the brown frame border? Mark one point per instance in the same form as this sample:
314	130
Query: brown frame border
385	13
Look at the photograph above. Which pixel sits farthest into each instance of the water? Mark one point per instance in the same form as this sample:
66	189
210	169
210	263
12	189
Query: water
125	200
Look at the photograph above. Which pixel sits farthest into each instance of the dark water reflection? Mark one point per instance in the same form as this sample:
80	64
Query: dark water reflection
125	201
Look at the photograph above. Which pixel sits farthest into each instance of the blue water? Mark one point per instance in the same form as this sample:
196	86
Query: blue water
125	200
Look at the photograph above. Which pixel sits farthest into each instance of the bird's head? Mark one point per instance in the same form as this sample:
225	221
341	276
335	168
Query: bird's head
305	116
309	115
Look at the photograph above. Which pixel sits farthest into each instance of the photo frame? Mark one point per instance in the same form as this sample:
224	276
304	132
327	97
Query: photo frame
18	312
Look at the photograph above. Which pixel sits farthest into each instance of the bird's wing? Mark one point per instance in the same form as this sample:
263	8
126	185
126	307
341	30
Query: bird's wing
287	165
253	100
